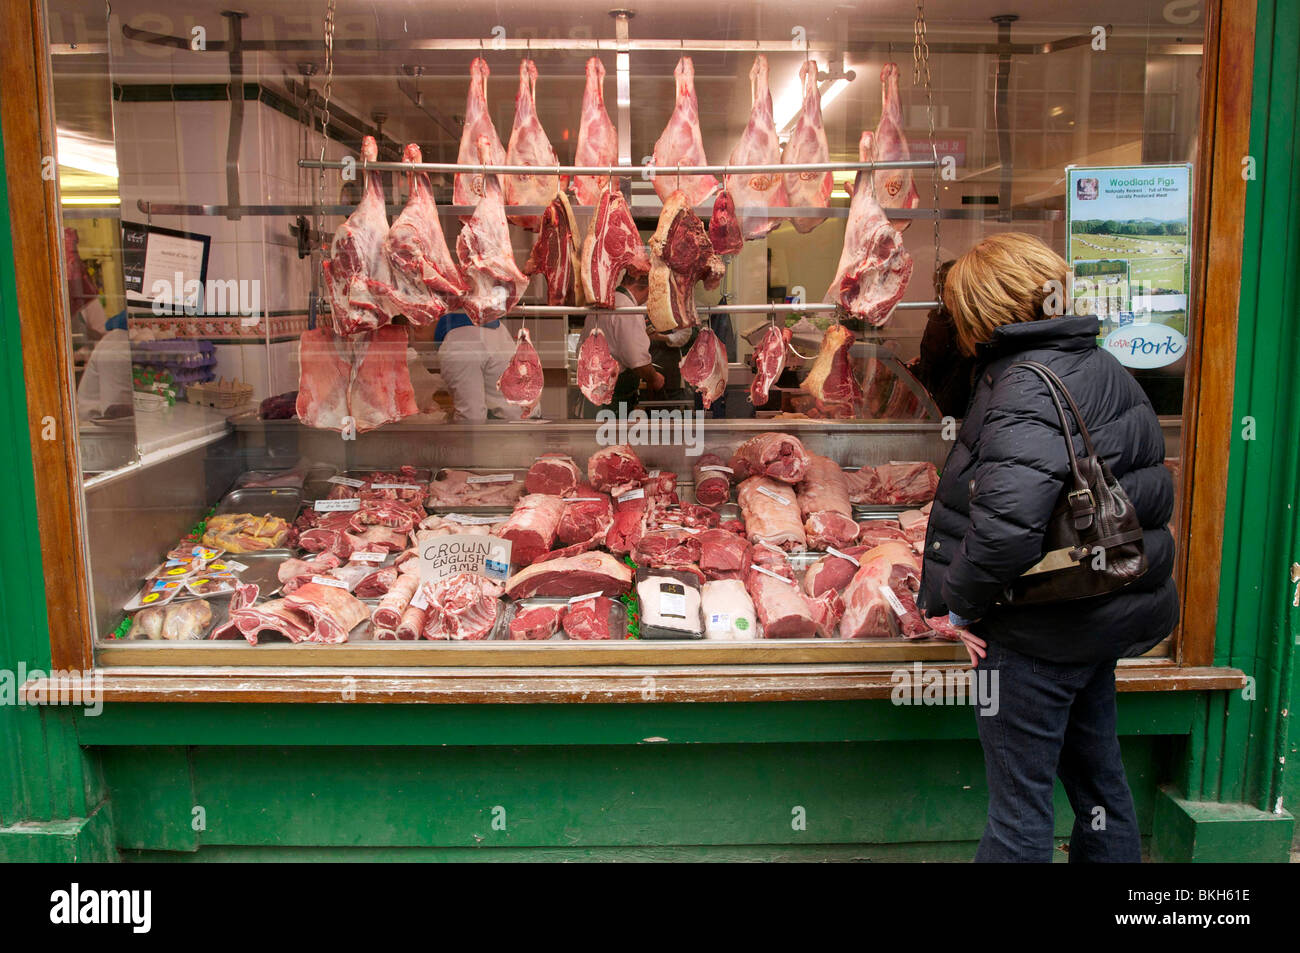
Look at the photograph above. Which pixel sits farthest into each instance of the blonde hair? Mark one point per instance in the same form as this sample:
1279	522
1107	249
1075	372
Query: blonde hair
1000	281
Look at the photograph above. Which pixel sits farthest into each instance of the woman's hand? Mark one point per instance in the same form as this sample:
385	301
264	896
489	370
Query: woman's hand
975	646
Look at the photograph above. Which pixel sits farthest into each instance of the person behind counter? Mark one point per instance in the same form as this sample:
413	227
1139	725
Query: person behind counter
471	359
629	344
1052	709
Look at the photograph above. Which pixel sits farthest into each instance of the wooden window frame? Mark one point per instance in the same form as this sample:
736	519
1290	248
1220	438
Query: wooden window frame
26	114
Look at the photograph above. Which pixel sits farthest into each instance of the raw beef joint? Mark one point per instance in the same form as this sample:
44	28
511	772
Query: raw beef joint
588	514
588	620
535	624
771	513
831	379
680	255
483	247
724	227
782	609
358	385
532	527
597	369
712	480
470	187
356	270
611	248
556	253
705	366
572	576
756	192
681	143
426	279
553	473
776	455
597	137
521	382
882	586
894	188
874	266
529	146
769	362
807	145
615	470
824	505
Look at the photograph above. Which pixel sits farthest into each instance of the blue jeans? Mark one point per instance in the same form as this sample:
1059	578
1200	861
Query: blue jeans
1054	720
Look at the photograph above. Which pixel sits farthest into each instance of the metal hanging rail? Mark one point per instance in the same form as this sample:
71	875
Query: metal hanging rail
542	310
630	171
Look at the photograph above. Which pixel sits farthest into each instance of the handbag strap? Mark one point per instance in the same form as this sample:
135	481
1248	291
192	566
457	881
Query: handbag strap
1083	505
1059	384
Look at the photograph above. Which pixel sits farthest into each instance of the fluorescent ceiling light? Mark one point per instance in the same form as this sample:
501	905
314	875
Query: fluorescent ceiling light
787	117
88	155
92	201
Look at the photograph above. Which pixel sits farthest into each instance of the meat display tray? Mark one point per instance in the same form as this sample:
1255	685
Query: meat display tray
283	502
869	511
617	619
440	508
319	487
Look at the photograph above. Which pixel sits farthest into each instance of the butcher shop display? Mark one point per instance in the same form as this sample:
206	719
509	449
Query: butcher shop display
756	193
485	254
769	362
458	488
771	512
460	608
705	366
712	480
521	382
893	484
555	255
597	138
532	527
611	249
469	186
724	226
776	455
681	255
590	620
245	533
824	504
354	385
356	271
808	145
831	380
894	188
670	604
681	143
597	369
529	146
728	610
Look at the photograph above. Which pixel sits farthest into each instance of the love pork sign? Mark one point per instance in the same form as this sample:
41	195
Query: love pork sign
455	553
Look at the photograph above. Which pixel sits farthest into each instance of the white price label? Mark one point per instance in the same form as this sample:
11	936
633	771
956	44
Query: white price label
329	581
892	599
369	557
631	495
394	486
420	600
465	519
672	600
652	474
835	552
719	622
772	494
713	467
591	595
235	566
774	575
337	506
346	481
492	478
584	499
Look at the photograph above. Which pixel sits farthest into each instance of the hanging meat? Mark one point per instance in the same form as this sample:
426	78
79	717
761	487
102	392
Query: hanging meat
483	247
597	137
556	254
755	193
807	144
874	266
681	144
680	255
705	366
894	188
724	227
356	271
597	369
426	279
357	384
769	362
612	247
521	382
529	146
469	186
831	380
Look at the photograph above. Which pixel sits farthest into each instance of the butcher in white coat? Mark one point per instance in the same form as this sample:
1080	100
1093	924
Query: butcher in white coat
471	360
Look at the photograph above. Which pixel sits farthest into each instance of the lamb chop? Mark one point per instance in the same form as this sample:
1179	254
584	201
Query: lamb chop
874	266
556	253
597	137
894	188
521	382
483	247
612	246
426	279
681	143
808	144
469	186
758	145
356	271
529	146
680	255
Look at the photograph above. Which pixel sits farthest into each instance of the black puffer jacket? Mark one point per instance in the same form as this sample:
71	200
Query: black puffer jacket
1004	476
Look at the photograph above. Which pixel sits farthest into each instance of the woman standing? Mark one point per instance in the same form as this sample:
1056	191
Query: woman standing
1053	710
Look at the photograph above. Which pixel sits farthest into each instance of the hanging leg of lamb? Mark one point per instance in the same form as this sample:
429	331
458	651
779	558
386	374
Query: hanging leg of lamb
556	253
426	279
381	393
705	366
529	146
597	369
680	255
769	362
808	144
724	227
521	383
469	186
831	379
597	137
754	193
356	271
612	246
324	376
874	266
681	143
483	247
894	188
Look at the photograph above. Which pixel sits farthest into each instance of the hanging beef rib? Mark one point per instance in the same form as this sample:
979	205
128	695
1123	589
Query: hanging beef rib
894	188
681	144
680	255
597	369
426	279
756	192
769	362
521	382
808	144
483	247
612	246
724	228
705	366
529	146
555	254
597	137
469	186
356	271
874	266
831	380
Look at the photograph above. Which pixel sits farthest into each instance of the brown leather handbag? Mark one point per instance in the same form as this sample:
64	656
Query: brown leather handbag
1093	543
